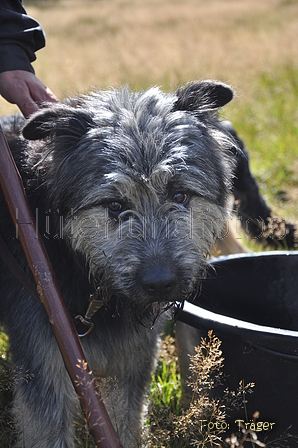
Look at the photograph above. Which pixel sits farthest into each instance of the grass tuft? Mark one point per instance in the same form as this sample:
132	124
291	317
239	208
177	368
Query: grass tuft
203	424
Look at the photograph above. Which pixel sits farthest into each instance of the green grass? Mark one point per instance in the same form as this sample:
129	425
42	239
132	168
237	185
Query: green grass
4	345
268	124
166	384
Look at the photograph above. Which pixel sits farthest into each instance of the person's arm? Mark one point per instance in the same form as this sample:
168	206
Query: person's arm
25	90
20	37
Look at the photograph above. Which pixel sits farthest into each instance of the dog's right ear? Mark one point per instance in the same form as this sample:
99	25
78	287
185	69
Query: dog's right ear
57	120
203	96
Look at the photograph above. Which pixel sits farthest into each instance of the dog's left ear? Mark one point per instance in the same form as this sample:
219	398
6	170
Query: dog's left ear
203	96
57	120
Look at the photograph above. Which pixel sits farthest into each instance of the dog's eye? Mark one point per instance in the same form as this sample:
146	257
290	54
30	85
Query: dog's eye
114	207
181	198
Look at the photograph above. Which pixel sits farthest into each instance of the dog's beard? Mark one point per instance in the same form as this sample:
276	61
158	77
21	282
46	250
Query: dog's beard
145	311
148	315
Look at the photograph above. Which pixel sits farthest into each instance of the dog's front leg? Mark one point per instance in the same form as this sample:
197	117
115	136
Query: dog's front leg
126	407
125	388
45	401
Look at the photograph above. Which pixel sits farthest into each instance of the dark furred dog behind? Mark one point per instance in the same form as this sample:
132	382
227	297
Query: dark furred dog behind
129	192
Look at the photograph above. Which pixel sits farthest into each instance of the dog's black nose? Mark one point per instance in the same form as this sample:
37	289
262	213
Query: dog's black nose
158	281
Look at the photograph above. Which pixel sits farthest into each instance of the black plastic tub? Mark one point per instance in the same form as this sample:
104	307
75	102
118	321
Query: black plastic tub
251	303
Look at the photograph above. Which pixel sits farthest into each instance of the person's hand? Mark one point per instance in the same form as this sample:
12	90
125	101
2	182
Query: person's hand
25	90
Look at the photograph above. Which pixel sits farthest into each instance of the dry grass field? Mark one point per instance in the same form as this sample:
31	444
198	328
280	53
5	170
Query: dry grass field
250	44
164	42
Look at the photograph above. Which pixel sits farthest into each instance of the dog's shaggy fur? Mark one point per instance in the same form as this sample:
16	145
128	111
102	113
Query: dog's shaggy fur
129	191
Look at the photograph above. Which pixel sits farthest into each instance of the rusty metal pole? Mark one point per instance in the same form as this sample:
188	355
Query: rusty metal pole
50	296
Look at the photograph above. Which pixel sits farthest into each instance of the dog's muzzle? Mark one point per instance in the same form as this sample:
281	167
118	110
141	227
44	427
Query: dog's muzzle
158	282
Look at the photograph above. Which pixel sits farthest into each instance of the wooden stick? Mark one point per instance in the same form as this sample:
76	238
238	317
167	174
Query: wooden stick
50	296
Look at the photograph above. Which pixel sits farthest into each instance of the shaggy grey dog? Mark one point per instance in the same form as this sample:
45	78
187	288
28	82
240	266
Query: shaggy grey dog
129	192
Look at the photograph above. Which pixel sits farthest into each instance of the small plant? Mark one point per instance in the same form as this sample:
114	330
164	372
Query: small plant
203	424
170	425
248	436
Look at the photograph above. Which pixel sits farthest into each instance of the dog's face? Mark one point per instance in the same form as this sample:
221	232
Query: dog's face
141	180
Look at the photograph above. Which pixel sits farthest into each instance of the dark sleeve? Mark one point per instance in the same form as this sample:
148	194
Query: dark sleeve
20	37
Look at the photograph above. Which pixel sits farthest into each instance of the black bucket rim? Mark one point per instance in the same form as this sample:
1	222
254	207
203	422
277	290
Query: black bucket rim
206	315
249	332
274	253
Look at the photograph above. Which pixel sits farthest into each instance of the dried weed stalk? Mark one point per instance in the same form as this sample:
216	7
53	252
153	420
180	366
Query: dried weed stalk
248	436
192	427
204	423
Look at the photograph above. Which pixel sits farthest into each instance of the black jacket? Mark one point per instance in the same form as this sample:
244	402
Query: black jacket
20	37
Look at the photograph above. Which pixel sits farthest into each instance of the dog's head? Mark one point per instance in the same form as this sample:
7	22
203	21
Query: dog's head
142	180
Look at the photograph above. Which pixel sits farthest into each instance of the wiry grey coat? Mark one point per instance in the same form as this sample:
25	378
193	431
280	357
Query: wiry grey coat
129	192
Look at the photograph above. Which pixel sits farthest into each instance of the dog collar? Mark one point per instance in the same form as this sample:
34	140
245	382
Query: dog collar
94	302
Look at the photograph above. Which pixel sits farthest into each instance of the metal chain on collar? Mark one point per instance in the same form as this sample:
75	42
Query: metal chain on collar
94	305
